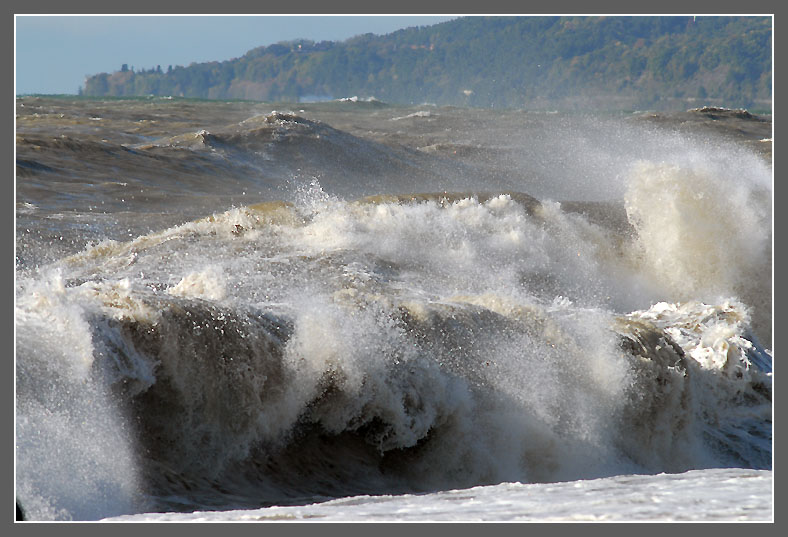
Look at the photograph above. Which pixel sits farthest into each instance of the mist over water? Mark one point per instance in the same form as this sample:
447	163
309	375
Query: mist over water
75	443
574	297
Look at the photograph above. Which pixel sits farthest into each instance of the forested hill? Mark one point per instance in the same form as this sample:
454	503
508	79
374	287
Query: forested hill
553	62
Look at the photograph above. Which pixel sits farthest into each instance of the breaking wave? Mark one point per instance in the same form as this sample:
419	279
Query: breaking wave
326	347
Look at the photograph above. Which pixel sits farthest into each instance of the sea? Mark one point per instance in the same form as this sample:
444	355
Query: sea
356	311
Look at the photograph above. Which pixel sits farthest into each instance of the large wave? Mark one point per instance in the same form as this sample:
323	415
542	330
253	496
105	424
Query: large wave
326	347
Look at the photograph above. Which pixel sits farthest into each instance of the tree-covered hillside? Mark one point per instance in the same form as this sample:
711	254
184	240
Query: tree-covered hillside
566	62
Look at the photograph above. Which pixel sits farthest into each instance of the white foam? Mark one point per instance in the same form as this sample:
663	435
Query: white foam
699	496
420	113
207	284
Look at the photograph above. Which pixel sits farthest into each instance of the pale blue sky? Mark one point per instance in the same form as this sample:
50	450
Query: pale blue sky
55	53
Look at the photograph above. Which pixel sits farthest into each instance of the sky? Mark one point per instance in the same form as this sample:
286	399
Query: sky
54	54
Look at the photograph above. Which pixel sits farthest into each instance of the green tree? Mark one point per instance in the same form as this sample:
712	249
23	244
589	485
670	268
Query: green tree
506	61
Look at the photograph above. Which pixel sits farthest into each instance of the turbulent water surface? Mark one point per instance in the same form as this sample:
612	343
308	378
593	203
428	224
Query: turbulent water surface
225	307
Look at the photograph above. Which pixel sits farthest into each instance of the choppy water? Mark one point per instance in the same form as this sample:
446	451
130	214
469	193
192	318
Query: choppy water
222	307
